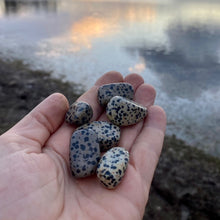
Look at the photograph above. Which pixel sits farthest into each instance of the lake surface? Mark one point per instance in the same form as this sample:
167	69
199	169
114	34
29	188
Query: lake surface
173	44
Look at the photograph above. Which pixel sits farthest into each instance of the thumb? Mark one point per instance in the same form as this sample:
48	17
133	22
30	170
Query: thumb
37	126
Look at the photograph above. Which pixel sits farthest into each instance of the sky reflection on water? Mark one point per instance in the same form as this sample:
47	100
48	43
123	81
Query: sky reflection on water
174	45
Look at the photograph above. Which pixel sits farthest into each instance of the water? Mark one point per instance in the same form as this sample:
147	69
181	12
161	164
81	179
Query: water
173	44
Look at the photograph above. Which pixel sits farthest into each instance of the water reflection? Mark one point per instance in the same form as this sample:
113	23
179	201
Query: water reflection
192	62
139	67
15	6
89	28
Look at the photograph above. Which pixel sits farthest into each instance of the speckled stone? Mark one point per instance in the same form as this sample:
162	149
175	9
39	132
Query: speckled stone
123	112
112	167
107	91
84	153
79	113
108	133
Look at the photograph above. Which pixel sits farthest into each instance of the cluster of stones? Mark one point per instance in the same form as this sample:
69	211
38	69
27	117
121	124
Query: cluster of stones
92	138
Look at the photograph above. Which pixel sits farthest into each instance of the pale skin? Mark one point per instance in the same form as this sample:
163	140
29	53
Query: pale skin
35	180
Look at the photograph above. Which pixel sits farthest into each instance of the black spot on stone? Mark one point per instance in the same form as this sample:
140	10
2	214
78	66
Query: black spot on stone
108	178
104	184
114	185
103	170
83	147
108	173
78	170
86	139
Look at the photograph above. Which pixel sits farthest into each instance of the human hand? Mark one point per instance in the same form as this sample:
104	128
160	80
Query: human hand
35	180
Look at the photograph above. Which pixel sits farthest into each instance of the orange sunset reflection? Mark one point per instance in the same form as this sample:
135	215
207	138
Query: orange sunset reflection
144	14
86	30
138	68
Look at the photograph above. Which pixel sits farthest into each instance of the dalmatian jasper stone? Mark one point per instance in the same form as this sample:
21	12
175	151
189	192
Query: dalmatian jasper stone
79	113
84	153
123	112
107	91
108	133
112	167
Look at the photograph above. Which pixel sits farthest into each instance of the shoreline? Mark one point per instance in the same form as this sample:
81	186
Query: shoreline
186	184
22	89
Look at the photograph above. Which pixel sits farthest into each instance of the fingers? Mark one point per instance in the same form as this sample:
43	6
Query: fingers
135	80
42	121
144	95
91	95
147	147
144	155
59	142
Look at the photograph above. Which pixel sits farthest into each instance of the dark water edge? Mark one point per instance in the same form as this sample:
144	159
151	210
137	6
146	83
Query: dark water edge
186	184
21	89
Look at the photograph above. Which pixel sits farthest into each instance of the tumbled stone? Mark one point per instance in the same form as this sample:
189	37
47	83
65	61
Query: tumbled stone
84	153
108	133
79	113
107	91
112	167
123	112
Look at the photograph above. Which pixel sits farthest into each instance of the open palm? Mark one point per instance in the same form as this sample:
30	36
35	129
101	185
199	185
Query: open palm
35	180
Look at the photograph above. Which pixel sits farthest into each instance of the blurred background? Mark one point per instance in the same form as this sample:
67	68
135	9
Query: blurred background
174	45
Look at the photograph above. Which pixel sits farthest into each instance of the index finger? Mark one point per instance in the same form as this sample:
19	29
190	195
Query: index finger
146	150
91	95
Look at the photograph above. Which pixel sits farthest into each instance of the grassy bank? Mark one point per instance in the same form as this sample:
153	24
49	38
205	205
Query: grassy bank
187	181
